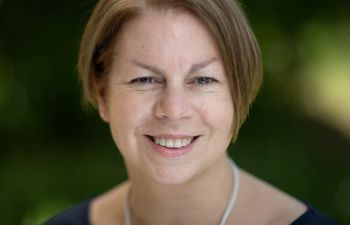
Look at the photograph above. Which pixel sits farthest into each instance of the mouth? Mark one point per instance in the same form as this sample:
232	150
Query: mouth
173	143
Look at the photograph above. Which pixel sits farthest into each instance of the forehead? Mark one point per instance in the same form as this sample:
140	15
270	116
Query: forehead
169	35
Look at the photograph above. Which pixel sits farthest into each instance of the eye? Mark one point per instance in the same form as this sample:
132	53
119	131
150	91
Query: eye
204	80
145	80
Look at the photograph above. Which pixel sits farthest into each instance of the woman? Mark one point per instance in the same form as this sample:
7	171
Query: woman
174	80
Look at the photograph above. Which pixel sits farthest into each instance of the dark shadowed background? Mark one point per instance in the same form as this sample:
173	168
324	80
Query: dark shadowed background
53	154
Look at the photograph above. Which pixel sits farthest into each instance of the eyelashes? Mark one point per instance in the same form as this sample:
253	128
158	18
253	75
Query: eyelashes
145	80
151	80
204	81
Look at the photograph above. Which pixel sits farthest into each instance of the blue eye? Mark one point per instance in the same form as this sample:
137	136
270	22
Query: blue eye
204	80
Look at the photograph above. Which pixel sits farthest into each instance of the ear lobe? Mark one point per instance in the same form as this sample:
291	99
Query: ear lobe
101	99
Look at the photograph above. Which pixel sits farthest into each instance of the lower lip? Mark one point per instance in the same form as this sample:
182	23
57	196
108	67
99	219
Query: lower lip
172	152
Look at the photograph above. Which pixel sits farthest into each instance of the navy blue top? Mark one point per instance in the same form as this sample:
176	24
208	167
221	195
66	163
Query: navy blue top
79	215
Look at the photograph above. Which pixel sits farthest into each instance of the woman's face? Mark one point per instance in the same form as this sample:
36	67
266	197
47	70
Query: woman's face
167	99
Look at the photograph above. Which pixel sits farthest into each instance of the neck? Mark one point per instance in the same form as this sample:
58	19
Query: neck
202	200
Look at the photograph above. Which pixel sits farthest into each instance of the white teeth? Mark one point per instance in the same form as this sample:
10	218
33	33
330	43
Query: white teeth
178	143
173	143
162	142
169	143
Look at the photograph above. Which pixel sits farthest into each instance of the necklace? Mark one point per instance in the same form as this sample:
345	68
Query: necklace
228	209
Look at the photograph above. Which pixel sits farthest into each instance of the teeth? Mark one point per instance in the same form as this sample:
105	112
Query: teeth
169	143
173	143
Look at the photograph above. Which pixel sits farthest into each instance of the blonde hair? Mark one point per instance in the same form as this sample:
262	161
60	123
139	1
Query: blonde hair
224	19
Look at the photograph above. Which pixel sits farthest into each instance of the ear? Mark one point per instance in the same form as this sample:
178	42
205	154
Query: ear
101	98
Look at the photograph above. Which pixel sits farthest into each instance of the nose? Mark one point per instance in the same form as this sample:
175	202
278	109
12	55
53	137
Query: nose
173	104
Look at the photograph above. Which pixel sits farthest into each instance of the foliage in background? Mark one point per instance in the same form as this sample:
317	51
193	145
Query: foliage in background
54	154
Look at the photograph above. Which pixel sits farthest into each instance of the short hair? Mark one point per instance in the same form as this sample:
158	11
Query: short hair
224	19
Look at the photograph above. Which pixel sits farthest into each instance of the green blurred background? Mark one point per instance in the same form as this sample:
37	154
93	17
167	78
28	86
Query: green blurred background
54	154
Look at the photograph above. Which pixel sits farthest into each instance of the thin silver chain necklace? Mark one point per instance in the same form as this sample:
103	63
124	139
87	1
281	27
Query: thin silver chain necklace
228	209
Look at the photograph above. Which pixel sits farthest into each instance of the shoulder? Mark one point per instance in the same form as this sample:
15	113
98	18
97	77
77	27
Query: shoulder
313	217
76	215
268	203
273	206
108	208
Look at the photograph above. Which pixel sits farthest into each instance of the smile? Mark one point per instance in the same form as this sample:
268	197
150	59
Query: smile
172	142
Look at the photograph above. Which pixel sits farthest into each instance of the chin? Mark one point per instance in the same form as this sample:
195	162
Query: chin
172	175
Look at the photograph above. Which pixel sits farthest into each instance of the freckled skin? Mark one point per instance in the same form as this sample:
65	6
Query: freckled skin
153	89
176	103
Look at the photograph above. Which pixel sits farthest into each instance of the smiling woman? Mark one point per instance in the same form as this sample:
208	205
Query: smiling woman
174	81
158	71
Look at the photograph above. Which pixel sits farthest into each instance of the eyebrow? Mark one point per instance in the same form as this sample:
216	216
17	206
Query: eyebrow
198	66
194	68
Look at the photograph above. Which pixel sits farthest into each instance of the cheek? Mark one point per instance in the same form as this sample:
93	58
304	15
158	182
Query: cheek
217	112
121	117
122	106
127	112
